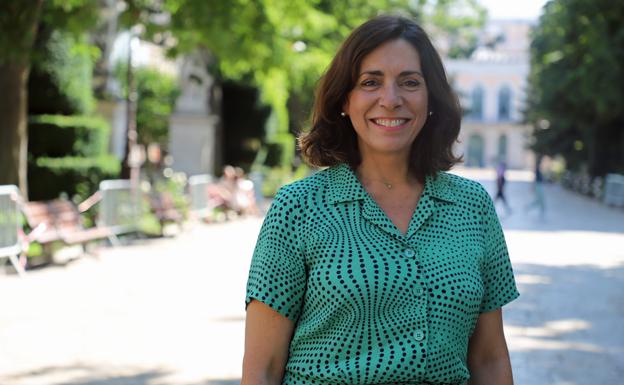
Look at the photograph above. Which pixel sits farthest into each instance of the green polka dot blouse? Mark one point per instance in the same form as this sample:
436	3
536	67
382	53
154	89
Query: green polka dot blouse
372	305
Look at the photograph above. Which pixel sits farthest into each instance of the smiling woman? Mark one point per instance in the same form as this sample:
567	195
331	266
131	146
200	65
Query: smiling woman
388	105
333	140
382	268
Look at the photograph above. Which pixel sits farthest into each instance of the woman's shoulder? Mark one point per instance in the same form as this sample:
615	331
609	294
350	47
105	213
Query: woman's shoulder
304	187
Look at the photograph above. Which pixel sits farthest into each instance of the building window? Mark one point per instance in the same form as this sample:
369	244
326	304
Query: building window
476	146
476	105
504	104
502	148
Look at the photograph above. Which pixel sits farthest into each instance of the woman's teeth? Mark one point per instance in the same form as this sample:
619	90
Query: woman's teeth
389	122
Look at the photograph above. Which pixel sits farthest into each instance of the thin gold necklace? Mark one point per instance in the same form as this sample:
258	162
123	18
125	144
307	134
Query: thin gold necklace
388	185
382	181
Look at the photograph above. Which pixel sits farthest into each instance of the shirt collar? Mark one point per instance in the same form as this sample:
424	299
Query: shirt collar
441	187
345	187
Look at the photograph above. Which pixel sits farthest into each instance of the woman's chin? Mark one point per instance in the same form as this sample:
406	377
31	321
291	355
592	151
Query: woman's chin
388	149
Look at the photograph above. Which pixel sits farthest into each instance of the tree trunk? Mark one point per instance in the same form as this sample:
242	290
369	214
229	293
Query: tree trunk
13	125
18	22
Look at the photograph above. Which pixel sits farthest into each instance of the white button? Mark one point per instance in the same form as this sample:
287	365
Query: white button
419	335
418	290
409	253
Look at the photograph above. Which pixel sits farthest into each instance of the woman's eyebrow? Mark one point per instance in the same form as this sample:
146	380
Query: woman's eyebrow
380	73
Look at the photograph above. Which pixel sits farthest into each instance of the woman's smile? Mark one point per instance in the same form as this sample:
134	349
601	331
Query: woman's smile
390	124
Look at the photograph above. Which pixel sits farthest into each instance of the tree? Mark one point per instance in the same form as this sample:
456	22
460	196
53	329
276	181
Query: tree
282	47
576	99
19	22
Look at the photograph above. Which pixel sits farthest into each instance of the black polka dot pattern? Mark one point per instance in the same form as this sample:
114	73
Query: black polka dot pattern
372	305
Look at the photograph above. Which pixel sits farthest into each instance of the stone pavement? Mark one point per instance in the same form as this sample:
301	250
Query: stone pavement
170	311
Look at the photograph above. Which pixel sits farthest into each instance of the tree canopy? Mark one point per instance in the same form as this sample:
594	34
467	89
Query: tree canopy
576	98
282	47
279	46
19	24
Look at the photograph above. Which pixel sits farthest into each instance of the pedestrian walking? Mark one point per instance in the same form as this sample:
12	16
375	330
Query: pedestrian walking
501	170
538	191
382	268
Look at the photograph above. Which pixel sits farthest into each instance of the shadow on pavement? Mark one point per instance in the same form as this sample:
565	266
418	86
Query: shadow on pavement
92	375
566	326
84	375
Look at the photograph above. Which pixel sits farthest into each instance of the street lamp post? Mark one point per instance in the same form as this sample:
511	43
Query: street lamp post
134	155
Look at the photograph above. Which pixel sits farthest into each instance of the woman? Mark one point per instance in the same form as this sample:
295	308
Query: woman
382	268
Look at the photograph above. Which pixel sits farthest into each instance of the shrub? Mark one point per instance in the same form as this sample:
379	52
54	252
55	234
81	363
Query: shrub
59	135
77	177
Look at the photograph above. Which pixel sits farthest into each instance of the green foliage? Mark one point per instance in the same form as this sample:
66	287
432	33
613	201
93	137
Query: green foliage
77	177
459	22
60	79
108	164
73	16
174	186
59	135
18	20
284	46
68	155
156	96
576	100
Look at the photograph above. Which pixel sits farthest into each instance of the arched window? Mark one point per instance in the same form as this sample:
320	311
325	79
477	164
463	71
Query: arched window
476	105
504	103
476	146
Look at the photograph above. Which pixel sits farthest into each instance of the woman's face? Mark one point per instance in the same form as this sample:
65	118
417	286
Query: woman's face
388	105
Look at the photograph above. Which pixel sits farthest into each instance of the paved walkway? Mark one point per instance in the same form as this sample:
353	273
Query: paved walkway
170	311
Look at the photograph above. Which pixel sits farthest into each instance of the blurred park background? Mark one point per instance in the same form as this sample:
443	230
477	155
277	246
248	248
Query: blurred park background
142	140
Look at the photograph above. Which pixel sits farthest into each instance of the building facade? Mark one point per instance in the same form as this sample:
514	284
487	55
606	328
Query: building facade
491	85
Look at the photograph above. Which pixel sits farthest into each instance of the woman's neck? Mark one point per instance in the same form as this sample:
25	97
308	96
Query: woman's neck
390	171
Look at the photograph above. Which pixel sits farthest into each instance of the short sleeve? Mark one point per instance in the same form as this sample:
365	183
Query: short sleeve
277	276
497	273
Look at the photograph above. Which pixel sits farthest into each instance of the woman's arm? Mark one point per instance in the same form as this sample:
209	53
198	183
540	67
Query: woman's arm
488	357
267	338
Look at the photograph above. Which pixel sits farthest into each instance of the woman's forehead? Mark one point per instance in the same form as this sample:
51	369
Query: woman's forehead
395	55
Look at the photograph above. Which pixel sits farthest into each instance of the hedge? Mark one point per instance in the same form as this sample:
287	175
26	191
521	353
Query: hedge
77	177
59	135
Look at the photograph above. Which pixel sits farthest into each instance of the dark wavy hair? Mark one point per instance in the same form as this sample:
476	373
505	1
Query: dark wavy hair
332	138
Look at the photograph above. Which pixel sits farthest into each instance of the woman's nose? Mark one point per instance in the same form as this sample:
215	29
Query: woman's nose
390	97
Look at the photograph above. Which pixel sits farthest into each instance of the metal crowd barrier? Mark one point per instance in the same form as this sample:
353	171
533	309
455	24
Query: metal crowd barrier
614	190
10	245
120	207
198	190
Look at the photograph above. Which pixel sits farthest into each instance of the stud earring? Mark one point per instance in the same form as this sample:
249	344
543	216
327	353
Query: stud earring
343	114
430	113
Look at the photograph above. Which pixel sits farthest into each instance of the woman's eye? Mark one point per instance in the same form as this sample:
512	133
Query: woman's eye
369	83
411	83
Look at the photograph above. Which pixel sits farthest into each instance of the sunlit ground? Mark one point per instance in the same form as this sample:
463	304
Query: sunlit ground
170	311
565	328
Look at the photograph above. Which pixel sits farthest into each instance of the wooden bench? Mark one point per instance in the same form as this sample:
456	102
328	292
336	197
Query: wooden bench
60	221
